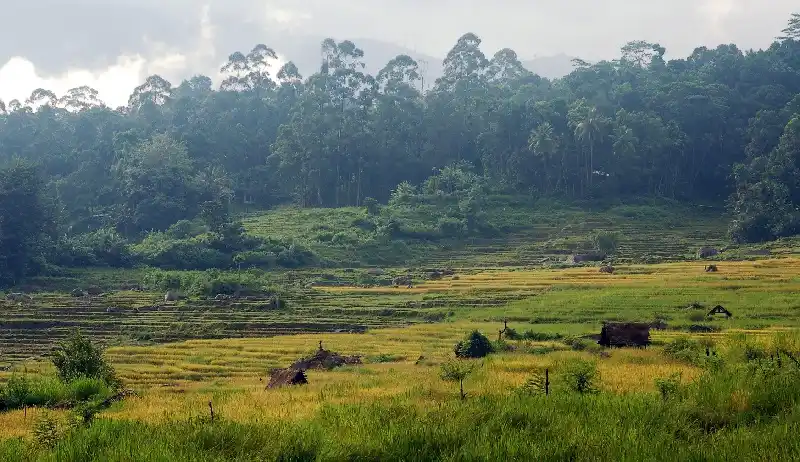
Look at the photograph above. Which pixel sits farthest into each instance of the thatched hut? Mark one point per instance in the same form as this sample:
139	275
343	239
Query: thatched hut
633	334
719	309
287	377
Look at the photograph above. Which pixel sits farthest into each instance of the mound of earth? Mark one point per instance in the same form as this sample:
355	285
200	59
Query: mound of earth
325	359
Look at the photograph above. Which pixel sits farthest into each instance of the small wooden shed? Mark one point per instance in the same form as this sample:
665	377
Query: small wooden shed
620	335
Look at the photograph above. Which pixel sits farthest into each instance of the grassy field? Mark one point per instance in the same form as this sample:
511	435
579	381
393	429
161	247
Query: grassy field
735	404
528	233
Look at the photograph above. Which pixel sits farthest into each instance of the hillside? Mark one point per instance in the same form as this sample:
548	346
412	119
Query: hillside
523	233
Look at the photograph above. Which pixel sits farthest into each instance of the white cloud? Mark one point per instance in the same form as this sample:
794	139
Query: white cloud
19	78
285	16
717	12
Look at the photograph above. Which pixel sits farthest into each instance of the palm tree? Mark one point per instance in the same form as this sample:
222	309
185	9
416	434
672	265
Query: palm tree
542	143
588	131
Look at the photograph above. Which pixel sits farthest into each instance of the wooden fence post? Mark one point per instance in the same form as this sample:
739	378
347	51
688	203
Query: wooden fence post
547	382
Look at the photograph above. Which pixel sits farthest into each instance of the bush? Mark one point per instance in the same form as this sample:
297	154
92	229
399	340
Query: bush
451	227
371	205
77	357
512	334
48	430
540	336
475	345
683	349
605	241
16	392
577	344
502	345
581	376
670	386
104	247
697	317
404	194
86	388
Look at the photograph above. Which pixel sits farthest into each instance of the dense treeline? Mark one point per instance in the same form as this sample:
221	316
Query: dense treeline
721	123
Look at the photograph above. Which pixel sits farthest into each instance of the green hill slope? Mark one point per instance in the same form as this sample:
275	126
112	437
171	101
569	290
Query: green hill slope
520	233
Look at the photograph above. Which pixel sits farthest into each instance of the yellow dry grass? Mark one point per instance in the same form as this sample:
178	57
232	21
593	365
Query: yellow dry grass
785	271
178	380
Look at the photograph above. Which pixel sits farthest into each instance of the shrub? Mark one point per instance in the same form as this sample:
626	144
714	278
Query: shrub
581	376
86	388
512	334
457	371
605	241
669	387
501	345
48	430
371	205
404	194
16	392
184	229
77	357
475	345
577	344
451	227
683	349
541	336
697	317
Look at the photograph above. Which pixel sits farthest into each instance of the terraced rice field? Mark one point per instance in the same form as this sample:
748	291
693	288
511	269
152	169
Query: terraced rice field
177	380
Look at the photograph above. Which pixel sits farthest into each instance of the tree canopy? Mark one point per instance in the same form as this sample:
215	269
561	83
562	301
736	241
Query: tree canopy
720	124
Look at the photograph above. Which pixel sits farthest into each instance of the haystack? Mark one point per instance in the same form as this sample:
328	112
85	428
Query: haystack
324	359
633	334
287	377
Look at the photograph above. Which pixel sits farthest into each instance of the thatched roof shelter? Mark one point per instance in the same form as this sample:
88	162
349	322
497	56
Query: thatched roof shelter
719	309
632	334
287	377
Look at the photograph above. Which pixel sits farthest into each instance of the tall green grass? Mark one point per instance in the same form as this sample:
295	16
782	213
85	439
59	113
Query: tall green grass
741	410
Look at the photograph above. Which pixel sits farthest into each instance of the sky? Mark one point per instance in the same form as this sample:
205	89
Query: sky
113	45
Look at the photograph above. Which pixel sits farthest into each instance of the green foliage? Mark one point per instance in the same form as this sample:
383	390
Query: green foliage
16	391
670	386
340	136
35	391
536	385
372	206
512	334
474	345
77	357
684	349
582	376
606	242
27	223
457	371
104	247
210	282
541	336
730	414
48	430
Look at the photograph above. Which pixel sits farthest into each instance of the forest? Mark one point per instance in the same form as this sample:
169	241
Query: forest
84	184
